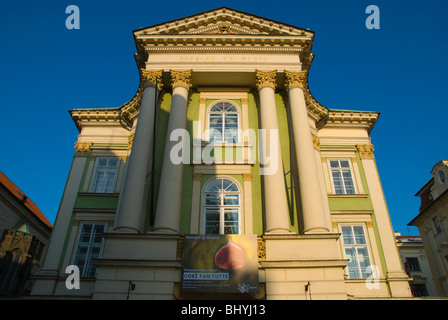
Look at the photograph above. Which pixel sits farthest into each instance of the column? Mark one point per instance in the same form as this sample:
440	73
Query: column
310	194
130	216
271	163
170	189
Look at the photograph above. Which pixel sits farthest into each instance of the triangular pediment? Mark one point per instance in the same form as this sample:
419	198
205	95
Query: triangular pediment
224	21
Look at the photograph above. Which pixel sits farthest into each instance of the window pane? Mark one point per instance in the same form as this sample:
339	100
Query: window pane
105	174
231	228
337	180
230	214
334	164
231	200
212	228
353	269
215	128
364	262
86	232
347	235
344	164
98	233
80	257
359	235
212	199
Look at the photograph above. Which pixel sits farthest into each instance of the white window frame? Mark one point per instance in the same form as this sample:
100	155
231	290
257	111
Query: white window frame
208	129
93	188
356	246
221	206
352	175
88	263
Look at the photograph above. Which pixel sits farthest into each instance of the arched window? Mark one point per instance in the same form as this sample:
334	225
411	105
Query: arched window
223	122
221	207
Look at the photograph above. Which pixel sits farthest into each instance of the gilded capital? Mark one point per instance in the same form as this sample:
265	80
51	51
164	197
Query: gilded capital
82	148
149	78
181	78
266	79
295	79
365	151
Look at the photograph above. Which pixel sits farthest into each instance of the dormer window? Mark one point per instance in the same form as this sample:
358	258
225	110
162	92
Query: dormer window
442	176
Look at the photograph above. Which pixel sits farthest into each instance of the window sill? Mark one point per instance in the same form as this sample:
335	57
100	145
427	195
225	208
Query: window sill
85	193
359	195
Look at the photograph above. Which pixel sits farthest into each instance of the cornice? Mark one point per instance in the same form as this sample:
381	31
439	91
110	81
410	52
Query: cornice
354	119
211	21
96	117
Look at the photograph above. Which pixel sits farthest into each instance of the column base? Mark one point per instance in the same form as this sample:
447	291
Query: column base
278	231
316	230
163	231
126	230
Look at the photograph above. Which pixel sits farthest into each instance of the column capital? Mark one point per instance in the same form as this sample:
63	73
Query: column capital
82	149
365	151
149	78
295	79
265	79
181	78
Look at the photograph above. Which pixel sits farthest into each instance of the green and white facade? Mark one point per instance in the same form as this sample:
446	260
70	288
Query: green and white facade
224	93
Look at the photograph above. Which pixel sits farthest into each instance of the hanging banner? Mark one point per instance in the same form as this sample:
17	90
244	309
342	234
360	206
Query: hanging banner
220	263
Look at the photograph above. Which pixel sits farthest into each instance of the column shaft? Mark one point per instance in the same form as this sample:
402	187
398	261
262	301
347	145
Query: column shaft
130	211
170	190
274	190
310	193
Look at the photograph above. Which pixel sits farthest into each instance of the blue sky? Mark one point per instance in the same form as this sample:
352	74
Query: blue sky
399	70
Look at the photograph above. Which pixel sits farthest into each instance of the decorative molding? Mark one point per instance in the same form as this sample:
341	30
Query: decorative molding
96	117
180	248
197	176
181	78
82	149
296	79
261	249
202	100
369	224
266	79
247	176
351	119
151	78
131	141
244	101
365	151
316	141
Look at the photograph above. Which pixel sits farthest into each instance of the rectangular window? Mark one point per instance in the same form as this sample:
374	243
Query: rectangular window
342	177
90	244
105	175
355	249
437	225
413	264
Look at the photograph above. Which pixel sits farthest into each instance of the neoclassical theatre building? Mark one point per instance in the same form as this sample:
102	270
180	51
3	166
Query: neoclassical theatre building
223	178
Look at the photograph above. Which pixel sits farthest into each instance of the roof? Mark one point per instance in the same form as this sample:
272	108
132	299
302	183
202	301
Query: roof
227	11
22	197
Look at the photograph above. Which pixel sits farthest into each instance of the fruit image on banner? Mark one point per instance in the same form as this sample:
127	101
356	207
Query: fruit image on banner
220	263
229	256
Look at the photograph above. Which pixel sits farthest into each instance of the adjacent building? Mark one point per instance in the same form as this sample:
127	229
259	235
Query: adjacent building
24	233
432	223
223	178
415	263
